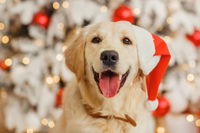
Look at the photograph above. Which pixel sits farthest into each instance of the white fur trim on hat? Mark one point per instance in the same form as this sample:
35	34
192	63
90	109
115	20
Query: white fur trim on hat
152	105
146	49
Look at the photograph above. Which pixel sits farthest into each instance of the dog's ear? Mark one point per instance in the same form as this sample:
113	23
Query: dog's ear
142	80
154	56
74	55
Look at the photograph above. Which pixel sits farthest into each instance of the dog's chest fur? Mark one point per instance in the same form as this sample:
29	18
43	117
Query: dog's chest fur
114	126
75	119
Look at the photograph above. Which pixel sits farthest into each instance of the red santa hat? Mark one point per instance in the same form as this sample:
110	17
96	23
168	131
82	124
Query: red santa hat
154	56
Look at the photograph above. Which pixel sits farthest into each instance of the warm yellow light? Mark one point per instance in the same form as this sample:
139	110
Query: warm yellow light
5	39
49	80
2	26
51	124
60	26
167	38
64	48
39	42
56	79
8	62
17	1
192	64
26	60
56	5
197	123
160	130
137	11
29	130
2	1
3	94
59	57
190	77
169	20
183	66
65	4
44	121
103	9
190	118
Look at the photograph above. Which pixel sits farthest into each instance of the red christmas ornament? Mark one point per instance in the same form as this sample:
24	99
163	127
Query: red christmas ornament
123	13
59	96
194	37
163	107
3	65
41	19
198	113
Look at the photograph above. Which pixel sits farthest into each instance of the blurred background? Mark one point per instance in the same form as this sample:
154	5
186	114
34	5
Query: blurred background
33	76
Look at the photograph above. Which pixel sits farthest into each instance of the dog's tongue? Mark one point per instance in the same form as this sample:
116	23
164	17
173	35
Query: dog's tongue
109	85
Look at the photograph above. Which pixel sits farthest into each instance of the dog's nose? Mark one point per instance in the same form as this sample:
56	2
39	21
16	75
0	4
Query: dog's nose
109	57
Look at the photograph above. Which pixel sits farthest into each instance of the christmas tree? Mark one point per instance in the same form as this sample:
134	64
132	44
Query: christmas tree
33	75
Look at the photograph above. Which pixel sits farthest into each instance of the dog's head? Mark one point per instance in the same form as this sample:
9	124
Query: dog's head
108	55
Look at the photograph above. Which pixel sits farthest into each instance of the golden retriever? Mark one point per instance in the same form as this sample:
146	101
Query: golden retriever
108	92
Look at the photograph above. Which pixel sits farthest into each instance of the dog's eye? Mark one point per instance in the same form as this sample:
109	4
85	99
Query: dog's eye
126	41
96	40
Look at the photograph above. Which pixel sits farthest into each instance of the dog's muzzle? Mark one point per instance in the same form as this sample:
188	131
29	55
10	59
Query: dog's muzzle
109	58
109	82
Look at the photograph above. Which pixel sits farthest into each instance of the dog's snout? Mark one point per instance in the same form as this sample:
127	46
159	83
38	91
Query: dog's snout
109	58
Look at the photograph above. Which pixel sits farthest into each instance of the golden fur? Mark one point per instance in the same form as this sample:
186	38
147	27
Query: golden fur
81	56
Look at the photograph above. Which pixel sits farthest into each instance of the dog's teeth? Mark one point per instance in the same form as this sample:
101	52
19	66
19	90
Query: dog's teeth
120	77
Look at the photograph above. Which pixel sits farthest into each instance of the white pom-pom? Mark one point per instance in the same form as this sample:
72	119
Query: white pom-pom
152	105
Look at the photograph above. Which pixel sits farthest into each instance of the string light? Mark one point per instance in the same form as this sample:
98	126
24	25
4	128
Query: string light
51	124
16	1
56	5
137	11
5	39
183	66
160	130
44	121
190	77
59	57
2	1
52	79
56	79
174	6
159	29
39	42
192	64
65	4
49	80
169	20
190	118
25	60
103	9
64	48
8	62
29	130
167	38
60	26
197	123
3	94
2	26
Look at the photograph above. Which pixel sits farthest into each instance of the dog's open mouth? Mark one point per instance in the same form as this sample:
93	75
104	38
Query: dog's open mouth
109	82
